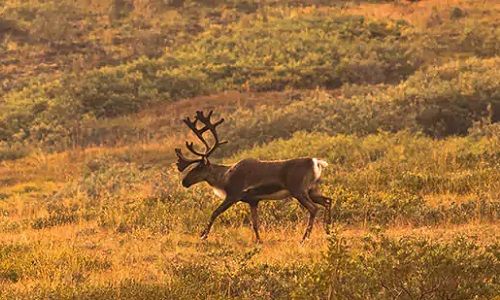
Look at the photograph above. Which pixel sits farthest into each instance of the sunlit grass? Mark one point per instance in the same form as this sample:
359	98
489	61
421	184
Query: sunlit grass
91	205
119	215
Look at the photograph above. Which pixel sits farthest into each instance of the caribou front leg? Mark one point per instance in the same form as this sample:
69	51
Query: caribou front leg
228	202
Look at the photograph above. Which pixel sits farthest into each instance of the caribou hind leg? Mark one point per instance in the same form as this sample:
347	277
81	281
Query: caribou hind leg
254	213
325	202
255	219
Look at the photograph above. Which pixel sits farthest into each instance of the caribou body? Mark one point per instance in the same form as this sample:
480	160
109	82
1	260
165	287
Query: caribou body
251	180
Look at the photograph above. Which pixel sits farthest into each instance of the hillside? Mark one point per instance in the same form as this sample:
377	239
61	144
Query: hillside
402	98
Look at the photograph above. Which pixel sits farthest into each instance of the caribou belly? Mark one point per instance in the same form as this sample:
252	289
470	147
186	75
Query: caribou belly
267	191
263	192
281	194
219	193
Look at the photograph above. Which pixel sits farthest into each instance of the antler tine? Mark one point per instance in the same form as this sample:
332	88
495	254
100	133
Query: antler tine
183	162
206	120
190	147
208	125
198	133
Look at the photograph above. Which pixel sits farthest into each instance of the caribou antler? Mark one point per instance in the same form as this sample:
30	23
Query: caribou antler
184	162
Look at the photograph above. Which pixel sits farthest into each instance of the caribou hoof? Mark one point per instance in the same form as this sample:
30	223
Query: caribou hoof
204	235
305	239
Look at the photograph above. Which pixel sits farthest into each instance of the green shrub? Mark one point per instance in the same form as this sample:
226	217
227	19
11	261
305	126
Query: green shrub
274	53
105	177
382	267
54	219
262	58
404	268
442	101
12	152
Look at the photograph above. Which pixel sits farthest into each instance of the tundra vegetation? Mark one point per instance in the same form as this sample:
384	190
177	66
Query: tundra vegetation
402	98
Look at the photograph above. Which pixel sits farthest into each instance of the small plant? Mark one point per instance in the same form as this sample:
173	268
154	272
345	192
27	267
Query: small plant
404	268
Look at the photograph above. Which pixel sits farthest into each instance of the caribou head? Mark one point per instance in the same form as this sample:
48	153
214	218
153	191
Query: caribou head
202	170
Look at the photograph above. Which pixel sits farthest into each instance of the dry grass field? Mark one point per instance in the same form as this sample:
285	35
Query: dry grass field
115	222
401	98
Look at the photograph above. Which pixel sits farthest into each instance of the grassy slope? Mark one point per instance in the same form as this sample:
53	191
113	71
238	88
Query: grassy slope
304	47
96	219
113	221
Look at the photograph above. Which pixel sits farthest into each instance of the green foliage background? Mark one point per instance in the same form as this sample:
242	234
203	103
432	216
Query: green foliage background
437	80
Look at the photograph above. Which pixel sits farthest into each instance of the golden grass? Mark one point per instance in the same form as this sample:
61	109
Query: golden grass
142	255
148	256
422	14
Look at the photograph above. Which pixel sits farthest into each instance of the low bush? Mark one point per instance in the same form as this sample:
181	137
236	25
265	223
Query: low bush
273	55
381	267
405	268
12	152
439	102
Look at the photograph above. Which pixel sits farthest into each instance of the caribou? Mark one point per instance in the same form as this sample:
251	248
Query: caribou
251	180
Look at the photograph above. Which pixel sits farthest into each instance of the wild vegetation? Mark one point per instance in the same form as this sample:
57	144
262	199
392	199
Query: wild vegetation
401	98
